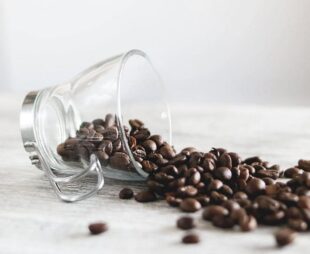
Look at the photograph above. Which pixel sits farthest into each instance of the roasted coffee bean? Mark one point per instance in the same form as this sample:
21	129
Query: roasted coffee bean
132	142
173	201
149	145
223	173
109	121
274	218
304	164
255	186
215	185
268	173
149	166
103	157
231	205
244	173
225	161
222	221
178	159
297	224
157	139
191	239
194	178
98	121
214	210
248	223
240	195
117	146
187	191
266	203
110	133
208	164
284	237
185	223
268	180
145	196
136	123
195	159
252	160
142	134
238	215
126	193
217	198
119	160
235	159
167	152
226	190
175	184
97	228
293	213
156	187
163	178
106	146
188	151
190	205
291	172
139	153
288	198
304	202
204	200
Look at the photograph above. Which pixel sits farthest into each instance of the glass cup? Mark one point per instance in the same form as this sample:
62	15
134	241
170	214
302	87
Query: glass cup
123	87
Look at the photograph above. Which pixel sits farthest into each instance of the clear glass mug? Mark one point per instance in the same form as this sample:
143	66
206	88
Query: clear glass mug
126	86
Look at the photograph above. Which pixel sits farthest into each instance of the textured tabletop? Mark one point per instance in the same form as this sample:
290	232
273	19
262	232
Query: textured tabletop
34	221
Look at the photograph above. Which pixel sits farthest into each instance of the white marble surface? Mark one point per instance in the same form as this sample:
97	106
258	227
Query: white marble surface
33	220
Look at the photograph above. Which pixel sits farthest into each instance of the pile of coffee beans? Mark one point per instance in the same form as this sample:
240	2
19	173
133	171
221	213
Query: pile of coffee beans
233	192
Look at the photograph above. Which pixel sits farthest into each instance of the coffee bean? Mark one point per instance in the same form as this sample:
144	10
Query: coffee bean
185	223
255	186
252	160
304	164
173	201
214	210
235	159
110	133
291	172
98	121
149	145
225	161
297	224
97	228
248	223
149	166
284	237
208	164
145	196
240	195
106	146
178	159
188	151
223	173
304	202
217	198
222	221
119	160
204	200
190	205
191	239
268	180
167	152
126	193
157	139
109	121
136	123
187	191
142	134
215	185
231	205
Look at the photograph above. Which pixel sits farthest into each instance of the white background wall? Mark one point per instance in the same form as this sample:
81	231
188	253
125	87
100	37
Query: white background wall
254	51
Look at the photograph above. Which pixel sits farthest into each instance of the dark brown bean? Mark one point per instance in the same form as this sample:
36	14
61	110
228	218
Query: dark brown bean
126	193
119	160
185	223
167	152
136	123
284	237
191	239
97	228
248	223
223	173
304	164
145	196
190	205
225	161
214	210
297	224
255	186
